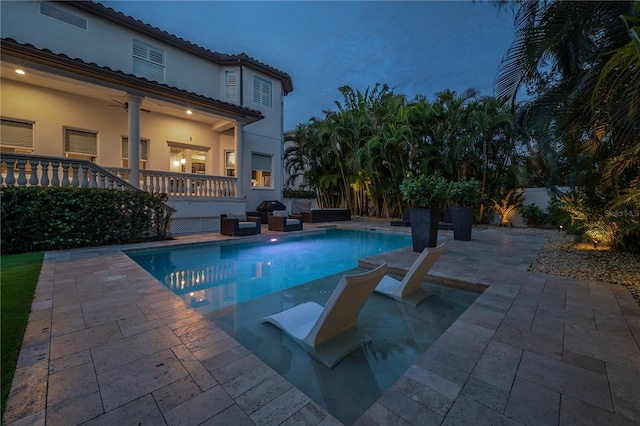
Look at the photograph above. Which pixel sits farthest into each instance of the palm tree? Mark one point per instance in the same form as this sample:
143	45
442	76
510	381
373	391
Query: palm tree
560	51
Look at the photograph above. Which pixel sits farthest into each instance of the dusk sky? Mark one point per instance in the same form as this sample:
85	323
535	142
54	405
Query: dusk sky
415	47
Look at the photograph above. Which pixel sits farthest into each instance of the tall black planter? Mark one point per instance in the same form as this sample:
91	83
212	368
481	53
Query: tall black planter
424	227
462	219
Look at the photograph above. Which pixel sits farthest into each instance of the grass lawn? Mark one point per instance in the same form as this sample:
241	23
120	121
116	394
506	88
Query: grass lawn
18	278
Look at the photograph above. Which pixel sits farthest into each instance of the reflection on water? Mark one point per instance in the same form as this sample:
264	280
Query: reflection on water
215	276
398	332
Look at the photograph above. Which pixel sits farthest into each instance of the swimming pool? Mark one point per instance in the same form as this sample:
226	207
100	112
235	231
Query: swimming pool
280	274
213	276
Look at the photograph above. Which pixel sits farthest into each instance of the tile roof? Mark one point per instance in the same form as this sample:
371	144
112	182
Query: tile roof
92	70
120	18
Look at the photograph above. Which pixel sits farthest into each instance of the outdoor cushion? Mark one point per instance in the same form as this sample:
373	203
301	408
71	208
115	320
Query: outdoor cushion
281	213
242	217
293	221
247	224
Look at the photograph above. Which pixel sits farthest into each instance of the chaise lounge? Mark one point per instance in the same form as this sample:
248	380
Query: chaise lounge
238	224
409	290
329	334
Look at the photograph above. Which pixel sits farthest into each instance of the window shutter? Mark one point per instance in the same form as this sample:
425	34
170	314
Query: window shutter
16	133
231	78
231	82
262	92
78	142
261	162
148	61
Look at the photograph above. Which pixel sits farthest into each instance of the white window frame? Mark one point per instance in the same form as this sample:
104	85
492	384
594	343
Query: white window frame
16	136
144	152
61	15
231	85
262	92
148	60
261	177
230	166
87	155
187	150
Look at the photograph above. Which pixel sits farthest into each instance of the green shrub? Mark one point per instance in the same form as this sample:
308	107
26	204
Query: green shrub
464	193
420	190
558	214
37	218
533	216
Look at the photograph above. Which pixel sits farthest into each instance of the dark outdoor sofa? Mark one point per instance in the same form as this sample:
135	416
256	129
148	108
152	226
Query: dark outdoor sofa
238	224
325	215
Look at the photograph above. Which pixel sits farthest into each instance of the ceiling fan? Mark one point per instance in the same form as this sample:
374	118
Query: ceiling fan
125	105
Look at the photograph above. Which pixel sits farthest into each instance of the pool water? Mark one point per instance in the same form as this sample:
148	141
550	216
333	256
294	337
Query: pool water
399	334
236	285
212	276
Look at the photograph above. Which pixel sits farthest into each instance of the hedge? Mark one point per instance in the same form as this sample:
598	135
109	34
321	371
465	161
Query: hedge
49	218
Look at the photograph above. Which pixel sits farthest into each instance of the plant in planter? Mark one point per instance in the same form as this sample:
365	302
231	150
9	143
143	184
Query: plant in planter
425	195
463	195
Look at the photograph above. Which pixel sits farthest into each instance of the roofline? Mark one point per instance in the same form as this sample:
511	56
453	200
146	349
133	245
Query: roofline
242	59
139	85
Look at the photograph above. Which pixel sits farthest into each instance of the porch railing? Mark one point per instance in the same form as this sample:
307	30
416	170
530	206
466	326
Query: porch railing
39	170
183	185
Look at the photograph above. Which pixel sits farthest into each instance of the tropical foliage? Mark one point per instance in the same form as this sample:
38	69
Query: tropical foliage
357	156
580	61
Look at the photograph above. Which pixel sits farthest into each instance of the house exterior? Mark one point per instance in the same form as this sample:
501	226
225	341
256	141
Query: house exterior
85	84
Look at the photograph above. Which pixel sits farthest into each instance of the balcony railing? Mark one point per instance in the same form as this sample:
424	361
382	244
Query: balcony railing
38	170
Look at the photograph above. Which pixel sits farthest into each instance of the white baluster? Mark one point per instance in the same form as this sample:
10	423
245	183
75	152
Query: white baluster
93	183
55	170
84	170
22	177
65	174
33	180
11	179
44	171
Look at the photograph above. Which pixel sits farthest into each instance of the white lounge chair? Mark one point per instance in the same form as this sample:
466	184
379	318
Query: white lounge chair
330	333
409	290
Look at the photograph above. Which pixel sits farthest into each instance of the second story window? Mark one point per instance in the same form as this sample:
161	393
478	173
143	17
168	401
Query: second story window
230	85
148	61
261	92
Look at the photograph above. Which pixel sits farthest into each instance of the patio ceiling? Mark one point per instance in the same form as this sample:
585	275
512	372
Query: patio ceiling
77	77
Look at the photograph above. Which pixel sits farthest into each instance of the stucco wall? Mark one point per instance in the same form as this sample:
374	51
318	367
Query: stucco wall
51	111
103	43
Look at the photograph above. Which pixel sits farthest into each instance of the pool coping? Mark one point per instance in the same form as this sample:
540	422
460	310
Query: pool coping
526	334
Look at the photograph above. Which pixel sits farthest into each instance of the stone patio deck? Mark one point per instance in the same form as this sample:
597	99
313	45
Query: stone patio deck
107	344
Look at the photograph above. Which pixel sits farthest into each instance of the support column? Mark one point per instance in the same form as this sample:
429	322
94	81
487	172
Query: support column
238	130
133	107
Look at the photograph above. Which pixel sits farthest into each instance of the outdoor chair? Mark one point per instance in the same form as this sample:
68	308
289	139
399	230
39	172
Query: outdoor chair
238	224
329	334
409	290
280	220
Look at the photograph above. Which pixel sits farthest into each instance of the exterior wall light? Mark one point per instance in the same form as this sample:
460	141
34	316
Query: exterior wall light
21	72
